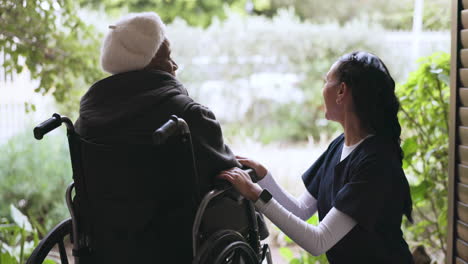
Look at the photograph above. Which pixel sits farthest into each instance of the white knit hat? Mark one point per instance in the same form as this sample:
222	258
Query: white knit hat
132	42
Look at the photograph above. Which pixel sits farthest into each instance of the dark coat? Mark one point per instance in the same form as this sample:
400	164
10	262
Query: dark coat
127	108
370	186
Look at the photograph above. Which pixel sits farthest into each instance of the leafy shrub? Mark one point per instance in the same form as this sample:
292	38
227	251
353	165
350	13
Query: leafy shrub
34	176
424	117
17	238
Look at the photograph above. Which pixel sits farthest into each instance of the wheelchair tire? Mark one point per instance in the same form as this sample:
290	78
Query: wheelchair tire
55	237
237	252
220	247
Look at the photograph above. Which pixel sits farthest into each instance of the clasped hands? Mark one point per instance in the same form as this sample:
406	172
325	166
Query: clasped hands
241	179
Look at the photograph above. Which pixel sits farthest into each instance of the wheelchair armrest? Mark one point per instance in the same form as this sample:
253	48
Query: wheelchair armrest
228	190
234	195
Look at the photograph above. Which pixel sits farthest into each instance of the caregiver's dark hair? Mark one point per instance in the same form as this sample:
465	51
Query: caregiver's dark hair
373	91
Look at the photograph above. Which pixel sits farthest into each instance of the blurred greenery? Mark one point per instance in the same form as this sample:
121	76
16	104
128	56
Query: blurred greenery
60	49
195	12
17	238
34	176
52	42
395	15
425	147
274	92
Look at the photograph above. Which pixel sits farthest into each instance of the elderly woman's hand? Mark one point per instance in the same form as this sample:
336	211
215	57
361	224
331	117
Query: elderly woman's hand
242	182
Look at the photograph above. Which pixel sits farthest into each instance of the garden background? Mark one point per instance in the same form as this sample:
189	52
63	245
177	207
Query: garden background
257	64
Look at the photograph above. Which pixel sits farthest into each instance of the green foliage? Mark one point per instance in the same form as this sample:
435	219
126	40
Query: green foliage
34	176
17	238
290	122
395	15
437	15
52	42
61	51
198	12
424	117
242	49
195	12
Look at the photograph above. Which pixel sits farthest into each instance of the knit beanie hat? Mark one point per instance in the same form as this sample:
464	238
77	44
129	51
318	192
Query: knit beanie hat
132	42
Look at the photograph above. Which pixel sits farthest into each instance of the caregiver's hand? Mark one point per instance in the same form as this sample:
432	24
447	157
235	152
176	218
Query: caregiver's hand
242	182
260	170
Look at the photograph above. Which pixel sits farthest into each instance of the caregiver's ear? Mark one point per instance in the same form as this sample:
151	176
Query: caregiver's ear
343	91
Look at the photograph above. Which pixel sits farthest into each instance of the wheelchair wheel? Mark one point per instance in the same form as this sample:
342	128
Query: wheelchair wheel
56	236
226	247
237	253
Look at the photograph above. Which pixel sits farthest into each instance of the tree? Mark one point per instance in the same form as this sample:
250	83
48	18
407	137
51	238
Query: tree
61	51
55	45
397	15
195	12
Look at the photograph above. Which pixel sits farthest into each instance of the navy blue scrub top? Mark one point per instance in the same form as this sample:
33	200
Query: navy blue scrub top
369	185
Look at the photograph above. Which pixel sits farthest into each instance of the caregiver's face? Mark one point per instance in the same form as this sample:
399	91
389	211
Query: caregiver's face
333	106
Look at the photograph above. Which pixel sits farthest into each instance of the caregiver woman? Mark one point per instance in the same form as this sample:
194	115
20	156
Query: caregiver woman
357	185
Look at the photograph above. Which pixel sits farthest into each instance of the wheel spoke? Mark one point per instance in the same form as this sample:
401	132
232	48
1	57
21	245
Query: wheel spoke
237	256
63	252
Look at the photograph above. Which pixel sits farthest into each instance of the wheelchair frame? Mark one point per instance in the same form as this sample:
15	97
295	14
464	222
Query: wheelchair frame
255	250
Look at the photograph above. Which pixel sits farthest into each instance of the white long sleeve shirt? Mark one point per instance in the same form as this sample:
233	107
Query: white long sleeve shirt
290	215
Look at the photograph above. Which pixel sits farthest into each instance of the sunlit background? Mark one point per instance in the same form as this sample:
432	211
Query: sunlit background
258	64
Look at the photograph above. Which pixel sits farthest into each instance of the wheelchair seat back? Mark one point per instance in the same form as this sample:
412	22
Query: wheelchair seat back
136	202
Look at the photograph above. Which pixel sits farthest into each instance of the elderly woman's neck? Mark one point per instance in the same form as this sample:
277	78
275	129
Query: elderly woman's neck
354	131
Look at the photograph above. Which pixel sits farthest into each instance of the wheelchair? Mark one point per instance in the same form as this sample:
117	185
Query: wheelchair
115	219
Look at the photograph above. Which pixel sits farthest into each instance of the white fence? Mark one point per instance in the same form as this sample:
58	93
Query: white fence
14	94
12	120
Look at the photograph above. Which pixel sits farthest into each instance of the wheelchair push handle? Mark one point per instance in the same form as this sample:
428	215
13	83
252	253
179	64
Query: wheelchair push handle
47	126
224	184
252	173
165	131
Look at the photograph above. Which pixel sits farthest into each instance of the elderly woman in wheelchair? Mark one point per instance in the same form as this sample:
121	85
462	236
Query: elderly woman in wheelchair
144	158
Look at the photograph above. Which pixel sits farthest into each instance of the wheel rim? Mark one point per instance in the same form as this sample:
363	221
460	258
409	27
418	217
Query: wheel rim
237	253
55	237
